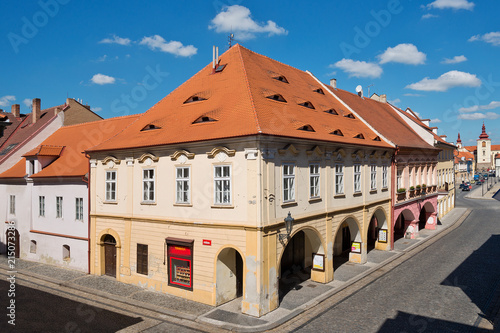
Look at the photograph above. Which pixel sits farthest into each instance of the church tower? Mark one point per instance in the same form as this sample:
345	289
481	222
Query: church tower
483	157
459	143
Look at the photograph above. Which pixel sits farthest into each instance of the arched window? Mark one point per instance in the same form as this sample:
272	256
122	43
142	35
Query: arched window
33	246
66	252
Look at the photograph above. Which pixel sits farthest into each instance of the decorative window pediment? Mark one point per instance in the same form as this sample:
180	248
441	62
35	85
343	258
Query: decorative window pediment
288	148
217	150
180	153
111	159
374	154
316	150
341	154
386	154
145	156
358	154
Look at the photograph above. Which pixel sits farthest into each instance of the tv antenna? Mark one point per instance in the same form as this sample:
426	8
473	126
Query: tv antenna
230	39
371	85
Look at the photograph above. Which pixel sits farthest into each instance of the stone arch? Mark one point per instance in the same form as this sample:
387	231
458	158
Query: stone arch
428	217
229	274
348	231
402	224
378	221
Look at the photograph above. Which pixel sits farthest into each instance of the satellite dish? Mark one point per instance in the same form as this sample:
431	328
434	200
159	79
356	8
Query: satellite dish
359	88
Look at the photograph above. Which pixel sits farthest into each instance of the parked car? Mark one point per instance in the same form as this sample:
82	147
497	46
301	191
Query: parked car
466	187
479	182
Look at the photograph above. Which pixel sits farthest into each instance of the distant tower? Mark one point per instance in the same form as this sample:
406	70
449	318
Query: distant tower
459	142
483	157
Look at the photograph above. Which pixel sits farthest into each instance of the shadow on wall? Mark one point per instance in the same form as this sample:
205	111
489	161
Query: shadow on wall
479	276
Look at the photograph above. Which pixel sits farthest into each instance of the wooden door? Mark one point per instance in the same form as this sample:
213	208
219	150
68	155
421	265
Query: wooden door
110	259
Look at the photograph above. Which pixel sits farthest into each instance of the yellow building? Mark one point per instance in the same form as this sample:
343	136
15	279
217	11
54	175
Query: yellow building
195	197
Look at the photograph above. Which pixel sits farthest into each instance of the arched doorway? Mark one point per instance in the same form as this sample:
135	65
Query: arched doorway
229	276
422	219
297	259
109	255
401	224
347	233
12	246
377	222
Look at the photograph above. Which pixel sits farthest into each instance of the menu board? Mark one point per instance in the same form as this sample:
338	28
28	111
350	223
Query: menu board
180	264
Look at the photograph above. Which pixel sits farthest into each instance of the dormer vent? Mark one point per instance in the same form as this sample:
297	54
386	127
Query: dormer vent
194	98
204	119
337	132
307	128
331	111
359	136
277	97
307	104
319	91
349	115
149	127
377	138
280	78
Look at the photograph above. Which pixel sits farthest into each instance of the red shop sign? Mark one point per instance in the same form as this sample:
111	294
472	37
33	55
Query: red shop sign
207	242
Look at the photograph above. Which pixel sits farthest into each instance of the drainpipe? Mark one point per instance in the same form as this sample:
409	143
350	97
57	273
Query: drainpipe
393	192
88	210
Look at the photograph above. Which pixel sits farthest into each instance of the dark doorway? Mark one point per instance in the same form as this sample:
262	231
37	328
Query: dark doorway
239	275
346	239
293	270
110	255
422	219
399	227
372	233
9	243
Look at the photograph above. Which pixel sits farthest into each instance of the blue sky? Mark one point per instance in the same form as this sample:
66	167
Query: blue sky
440	58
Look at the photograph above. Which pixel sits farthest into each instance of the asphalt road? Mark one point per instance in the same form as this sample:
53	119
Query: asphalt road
444	288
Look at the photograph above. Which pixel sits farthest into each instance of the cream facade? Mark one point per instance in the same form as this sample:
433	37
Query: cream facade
205	221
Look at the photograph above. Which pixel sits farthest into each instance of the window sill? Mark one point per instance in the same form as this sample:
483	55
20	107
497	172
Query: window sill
373	191
183	204
357	194
289	204
150	203
221	206
385	189
339	196
110	202
313	200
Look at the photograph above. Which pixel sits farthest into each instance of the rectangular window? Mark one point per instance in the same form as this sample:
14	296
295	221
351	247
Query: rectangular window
79	209
384	176
222	184
357	178
148	185
373	177
314	180
12	205
399	179
288	182
41	205
180	263
182	185
59	207
111	185
339	179
142	259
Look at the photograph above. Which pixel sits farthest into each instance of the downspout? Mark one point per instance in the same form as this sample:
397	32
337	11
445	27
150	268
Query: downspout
88	208
393	193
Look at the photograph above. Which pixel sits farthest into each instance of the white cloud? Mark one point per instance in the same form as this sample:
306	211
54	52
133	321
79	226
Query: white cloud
403	53
446	81
359	68
414	95
115	40
28	102
395	101
236	19
451	4
476	116
157	42
436	121
101	59
97	109
475	108
491	37
102	79
429	15
454	60
6	100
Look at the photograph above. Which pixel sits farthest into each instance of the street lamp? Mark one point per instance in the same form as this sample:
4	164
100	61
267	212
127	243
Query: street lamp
288	226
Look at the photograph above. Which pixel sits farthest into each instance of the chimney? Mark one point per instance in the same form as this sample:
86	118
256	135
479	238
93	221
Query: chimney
383	98
15	110
35	111
333	83
213	59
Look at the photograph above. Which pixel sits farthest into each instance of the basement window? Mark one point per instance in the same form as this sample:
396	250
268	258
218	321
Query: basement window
204	119
307	128
337	132
331	111
281	78
319	91
194	98
307	104
359	136
150	127
349	115
277	97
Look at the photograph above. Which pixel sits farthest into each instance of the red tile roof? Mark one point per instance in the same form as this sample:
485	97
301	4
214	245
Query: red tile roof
466	155
242	100
71	161
15	122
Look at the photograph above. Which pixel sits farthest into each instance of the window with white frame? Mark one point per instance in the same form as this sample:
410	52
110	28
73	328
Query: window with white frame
111	185
384	176
288	182
41	205
314	180
148	185
12	204
399	178
373	177
182	180
339	178
59	207
222	184
79	209
357	178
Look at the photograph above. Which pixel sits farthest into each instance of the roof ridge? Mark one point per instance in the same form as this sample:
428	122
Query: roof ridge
259	129
264	56
96	121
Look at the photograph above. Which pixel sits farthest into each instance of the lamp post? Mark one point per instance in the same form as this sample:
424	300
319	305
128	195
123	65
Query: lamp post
288	226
